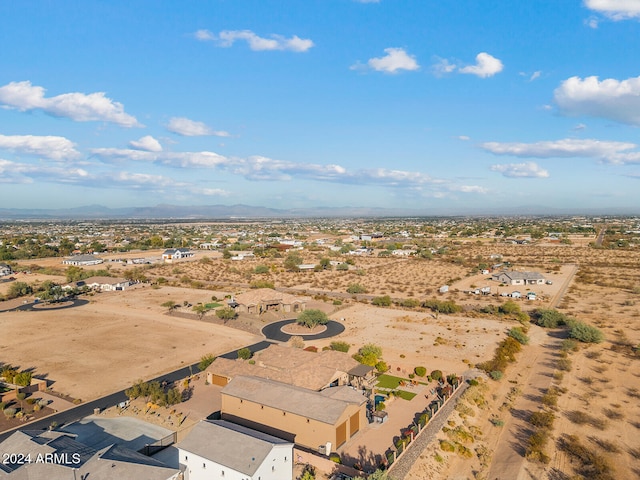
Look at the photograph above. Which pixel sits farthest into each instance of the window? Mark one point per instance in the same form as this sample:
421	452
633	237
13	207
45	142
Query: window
204	465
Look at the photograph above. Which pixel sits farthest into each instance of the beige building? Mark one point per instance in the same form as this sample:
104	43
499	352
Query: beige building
317	420
311	370
263	300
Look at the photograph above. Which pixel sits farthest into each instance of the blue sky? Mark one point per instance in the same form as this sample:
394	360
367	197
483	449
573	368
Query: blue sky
287	104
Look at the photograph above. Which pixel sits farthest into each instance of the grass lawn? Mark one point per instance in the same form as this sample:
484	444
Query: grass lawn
389	381
212	305
405	395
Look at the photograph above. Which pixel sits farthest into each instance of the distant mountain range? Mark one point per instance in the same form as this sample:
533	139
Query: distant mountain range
203	212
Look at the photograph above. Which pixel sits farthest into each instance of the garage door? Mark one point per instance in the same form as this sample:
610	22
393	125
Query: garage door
354	423
219	380
341	434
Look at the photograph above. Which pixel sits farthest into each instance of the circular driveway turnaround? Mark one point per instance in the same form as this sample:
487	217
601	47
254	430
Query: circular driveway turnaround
75	302
273	331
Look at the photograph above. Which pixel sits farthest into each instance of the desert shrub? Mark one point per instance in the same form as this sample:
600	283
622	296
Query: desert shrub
354	288
260	269
343	267
569	345
420	371
226	313
586	333
337	302
410	303
509	308
473	382
542	419
380	407
312	318
9	412
519	335
592	465
436	375
340	346
262	284
564	364
496	374
381	301
549	318
447	446
446	307
244	353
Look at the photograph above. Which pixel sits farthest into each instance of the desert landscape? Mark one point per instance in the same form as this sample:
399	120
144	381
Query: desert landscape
587	392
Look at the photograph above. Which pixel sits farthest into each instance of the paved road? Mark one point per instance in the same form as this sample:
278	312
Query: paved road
85	409
273	331
72	302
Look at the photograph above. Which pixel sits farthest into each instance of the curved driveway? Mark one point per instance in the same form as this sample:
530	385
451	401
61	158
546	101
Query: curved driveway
74	302
273	331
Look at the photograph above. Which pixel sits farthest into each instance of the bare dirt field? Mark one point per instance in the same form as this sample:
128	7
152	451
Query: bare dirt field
118	338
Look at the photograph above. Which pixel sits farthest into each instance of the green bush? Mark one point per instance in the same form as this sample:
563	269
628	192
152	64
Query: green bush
205	361
436	375
381	301
244	353
586	333
496	374
262	284
382	366
340	346
509	307
260	269
420	371
519	335
354	288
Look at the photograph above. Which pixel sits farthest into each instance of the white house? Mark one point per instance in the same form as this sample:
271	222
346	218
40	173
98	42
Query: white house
516	294
107	284
519	278
176	254
217	449
82	260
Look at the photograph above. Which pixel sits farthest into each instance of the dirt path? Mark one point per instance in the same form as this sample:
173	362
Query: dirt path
534	374
557	298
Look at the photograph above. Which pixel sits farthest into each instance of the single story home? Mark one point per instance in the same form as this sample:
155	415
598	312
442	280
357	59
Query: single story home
176	254
261	300
313	371
82	260
325	419
220	449
519	278
107	284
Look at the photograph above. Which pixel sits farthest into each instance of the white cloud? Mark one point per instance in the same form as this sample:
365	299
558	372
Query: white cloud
579	127
535	75
521	170
396	59
77	106
608	151
443	67
227	38
617	100
615	9
147	143
55	148
486	66
568	147
190	128
464	138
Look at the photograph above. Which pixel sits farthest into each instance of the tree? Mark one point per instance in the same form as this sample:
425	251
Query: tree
22	379
74	274
19	289
292	261
20	397
436	375
368	354
325	263
586	333
205	361
245	353
312	318
377	475
200	309
169	305
226	313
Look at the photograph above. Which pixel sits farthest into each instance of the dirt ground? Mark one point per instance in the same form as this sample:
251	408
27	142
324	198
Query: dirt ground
118	338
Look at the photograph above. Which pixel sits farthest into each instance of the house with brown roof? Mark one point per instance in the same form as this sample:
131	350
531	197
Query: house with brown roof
314	371
322	420
262	300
